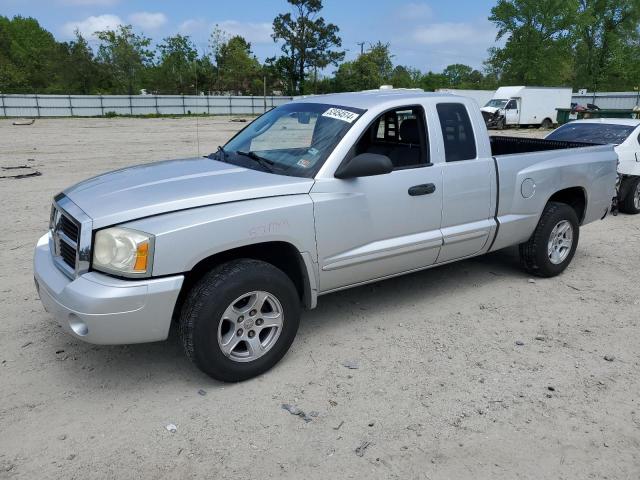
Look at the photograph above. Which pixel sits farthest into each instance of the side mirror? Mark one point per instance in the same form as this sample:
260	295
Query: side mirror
365	165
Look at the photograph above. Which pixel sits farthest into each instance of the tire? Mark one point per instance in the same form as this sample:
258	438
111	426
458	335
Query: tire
631	202
546	124
500	124
221	293
535	254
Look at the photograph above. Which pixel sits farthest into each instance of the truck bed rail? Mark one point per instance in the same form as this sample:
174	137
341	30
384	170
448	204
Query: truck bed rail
511	145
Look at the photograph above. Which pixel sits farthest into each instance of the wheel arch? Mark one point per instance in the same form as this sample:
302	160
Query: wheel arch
296	265
575	197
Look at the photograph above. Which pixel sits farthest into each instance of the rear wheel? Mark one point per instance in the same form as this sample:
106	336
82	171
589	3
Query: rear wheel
240	319
553	243
631	201
546	124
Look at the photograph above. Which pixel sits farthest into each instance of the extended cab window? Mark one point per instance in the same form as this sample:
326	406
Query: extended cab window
459	142
399	134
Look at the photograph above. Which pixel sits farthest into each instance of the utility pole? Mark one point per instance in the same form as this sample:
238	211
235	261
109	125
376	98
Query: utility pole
361	47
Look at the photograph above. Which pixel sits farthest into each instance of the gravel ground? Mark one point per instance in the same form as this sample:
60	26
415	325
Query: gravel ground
470	370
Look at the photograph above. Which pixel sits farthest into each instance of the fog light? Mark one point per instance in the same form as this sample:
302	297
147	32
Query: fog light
78	326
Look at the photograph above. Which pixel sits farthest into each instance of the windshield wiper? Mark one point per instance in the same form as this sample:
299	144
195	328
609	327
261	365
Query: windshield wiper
220	153
263	162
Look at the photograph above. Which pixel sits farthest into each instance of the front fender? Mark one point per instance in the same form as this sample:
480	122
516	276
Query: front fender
185	238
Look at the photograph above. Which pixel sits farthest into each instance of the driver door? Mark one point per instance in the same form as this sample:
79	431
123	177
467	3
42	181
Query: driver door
378	226
512	112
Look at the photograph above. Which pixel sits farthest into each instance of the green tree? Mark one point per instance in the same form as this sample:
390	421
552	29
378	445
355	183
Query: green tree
405	77
606	40
538	47
176	71
307	41
81	73
431	81
127	56
370	70
30	56
238	67
457	74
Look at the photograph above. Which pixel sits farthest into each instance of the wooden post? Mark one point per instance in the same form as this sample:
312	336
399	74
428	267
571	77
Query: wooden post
155	97
101	106
184	110
70	106
208	106
4	109
230	106
37	105
130	105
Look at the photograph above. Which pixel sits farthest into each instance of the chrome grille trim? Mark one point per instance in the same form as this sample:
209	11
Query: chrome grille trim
71	255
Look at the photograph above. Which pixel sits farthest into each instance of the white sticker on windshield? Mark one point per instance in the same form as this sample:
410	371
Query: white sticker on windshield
339	114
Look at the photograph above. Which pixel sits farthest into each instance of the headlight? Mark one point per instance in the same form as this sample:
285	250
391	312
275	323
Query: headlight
123	251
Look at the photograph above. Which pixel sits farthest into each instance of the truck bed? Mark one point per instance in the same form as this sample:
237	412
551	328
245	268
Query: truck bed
530	170
511	145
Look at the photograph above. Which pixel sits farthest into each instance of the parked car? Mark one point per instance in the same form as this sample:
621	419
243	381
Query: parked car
525	106
318	195
624	133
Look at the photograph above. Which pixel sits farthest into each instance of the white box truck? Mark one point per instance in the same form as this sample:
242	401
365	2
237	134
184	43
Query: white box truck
524	106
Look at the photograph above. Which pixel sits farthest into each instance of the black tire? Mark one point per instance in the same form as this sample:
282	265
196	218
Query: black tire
627	204
534	254
209	298
546	124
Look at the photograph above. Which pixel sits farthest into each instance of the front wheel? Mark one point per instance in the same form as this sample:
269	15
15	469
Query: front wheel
240	319
631	201
553	243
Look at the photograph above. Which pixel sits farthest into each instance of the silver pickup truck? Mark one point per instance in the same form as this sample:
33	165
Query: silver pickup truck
322	194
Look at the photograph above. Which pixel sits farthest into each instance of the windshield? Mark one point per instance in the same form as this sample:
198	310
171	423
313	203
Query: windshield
496	103
294	139
600	133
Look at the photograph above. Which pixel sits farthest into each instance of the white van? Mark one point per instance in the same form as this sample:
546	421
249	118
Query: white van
523	106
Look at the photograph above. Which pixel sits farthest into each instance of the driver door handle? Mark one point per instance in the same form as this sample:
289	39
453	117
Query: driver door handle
424	189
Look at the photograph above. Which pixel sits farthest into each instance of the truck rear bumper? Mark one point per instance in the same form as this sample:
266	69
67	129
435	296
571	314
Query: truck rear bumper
100	309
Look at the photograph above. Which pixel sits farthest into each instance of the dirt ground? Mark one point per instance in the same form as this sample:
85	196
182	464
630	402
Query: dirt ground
441	389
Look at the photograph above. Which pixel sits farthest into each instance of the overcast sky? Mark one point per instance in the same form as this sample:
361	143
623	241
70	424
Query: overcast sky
425	35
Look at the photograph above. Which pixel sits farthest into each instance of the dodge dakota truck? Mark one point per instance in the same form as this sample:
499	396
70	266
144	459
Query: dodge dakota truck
321	194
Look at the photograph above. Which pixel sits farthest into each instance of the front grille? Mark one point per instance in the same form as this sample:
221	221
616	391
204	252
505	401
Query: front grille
66	234
68	254
69	228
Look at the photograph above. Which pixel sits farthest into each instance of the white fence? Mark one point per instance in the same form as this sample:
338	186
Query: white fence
609	100
100	105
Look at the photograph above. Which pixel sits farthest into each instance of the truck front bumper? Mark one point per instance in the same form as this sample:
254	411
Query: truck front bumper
100	309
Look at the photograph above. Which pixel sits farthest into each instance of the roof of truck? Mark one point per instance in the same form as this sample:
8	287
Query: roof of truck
370	98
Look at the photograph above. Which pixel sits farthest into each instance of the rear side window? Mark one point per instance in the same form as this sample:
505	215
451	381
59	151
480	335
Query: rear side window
459	142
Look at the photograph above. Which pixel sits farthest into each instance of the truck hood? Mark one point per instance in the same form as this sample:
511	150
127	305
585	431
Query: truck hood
490	110
168	186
